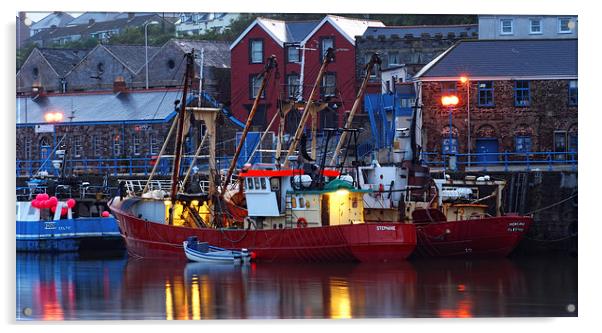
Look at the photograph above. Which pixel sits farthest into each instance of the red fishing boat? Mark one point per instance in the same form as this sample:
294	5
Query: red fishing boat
299	214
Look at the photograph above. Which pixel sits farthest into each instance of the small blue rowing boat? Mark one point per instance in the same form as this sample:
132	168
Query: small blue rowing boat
203	252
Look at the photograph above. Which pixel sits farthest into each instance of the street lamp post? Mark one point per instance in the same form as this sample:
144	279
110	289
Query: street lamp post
146	48
465	80
449	102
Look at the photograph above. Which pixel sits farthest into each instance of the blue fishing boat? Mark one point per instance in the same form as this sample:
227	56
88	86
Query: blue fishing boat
203	252
41	230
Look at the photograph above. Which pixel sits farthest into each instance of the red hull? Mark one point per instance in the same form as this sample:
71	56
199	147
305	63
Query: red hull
357	242
488	237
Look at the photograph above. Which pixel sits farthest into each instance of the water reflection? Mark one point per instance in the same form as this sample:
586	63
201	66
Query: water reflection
59	287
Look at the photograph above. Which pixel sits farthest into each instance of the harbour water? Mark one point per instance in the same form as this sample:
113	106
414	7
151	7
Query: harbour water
70	287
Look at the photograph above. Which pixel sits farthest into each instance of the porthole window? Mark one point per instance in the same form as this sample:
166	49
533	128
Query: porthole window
171	64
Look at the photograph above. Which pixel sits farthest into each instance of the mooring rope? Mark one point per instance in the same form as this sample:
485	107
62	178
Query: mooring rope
552	205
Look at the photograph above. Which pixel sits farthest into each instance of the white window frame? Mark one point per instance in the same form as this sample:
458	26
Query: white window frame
502	26
254	52
153	145
531	32
560	31
288	54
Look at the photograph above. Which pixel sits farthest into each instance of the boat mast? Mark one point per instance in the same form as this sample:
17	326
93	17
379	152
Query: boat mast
181	119
328	58
375	59
271	63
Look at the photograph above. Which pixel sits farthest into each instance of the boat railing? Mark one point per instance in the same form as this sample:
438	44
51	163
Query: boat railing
136	186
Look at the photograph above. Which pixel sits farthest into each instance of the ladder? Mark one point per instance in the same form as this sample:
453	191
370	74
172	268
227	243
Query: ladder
288	211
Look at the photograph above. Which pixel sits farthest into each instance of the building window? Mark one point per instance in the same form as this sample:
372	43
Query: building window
254	85
256	51
97	146
573	92
28	144
373	72
449	88
293	54
573	143
153	145
325	44
136	144
171	64
394	59
328	87
116	145
450	146
560	144
486	93
521	93
35	72
77	146
292	84
535	26
506	26
564	25
522	144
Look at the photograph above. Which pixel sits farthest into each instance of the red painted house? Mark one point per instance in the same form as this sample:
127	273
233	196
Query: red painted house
298	47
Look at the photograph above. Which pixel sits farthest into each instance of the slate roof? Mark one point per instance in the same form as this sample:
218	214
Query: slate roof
58	19
86	30
505	58
105	107
217	54
96	16
296	31
417	31
63	60
133	56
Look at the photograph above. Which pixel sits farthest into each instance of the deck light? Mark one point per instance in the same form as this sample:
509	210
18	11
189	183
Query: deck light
463	79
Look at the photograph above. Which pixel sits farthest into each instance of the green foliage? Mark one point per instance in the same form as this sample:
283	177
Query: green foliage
86	43
23	53
157	35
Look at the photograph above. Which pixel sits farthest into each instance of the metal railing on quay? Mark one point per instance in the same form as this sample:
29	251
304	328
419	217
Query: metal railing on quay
505	161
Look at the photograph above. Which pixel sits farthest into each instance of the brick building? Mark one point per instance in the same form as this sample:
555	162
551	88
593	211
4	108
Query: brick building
299	47
48	69
102	132
166	67
410	46
523	100
70	70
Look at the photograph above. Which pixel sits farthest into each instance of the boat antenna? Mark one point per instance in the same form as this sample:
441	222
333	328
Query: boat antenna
328	58
271	63
181	119
374	60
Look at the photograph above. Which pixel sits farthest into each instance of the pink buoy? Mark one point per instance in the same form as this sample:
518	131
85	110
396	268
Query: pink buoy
71	203
53	209
53	201
35	204
105	214
40	196
64	211
44	196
